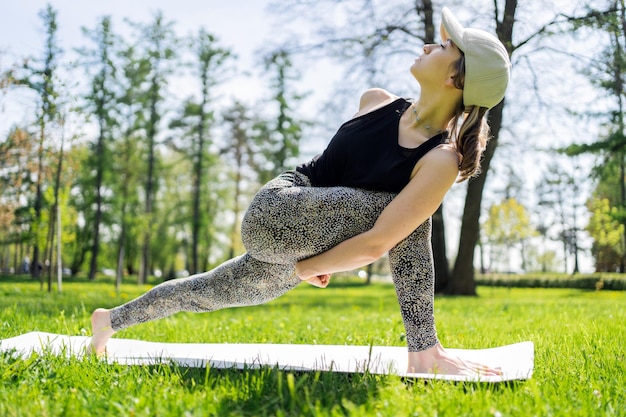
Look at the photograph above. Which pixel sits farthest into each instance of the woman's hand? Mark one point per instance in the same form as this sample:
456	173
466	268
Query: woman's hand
310	275
320	281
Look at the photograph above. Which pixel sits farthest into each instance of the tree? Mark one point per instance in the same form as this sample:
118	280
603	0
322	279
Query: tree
462	278
172	202
54	222
130	104
16	172
100	100
160	41
240	149
559	192
7	78
607	72
279	139
607	234
40	77
508	224
195	123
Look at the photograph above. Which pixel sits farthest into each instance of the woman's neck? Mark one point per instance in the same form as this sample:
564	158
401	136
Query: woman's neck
429	119
435	108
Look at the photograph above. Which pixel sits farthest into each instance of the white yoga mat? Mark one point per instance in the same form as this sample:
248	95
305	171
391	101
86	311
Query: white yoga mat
516	360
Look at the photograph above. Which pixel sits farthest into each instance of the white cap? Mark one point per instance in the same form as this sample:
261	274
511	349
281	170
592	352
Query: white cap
487	65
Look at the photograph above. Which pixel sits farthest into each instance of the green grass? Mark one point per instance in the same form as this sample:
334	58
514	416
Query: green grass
579	340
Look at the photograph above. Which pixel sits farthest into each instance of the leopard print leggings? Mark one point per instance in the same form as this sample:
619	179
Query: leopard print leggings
289	220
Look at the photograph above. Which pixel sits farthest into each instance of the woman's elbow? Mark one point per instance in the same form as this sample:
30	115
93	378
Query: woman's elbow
375	250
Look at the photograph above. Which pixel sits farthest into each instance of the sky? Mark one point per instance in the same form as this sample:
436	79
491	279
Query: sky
240	26
243	26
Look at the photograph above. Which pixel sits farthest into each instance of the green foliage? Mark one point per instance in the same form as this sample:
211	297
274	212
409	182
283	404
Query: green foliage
607	72
607	233
40	75
102	102
68	214
596	281
279	139
561	199
16	183
508	224
193	139
579	360
540	259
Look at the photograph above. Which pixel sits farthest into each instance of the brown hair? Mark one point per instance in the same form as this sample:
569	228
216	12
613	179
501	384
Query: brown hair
470	130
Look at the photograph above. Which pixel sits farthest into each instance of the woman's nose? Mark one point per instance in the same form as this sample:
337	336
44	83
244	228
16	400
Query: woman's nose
427	48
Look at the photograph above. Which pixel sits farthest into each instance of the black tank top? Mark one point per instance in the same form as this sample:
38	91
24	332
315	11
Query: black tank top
364	153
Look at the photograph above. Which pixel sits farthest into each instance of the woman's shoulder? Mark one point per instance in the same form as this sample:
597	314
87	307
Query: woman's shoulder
373	99
443	156
375	96
442	160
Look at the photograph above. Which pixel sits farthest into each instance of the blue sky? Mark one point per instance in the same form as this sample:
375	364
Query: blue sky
242	26
234	22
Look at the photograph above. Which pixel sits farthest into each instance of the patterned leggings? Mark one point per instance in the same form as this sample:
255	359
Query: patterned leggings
289	220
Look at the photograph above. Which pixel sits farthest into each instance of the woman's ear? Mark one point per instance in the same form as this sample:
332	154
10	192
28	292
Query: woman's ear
451	81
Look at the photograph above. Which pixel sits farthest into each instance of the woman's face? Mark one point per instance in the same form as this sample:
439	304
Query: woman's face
435	64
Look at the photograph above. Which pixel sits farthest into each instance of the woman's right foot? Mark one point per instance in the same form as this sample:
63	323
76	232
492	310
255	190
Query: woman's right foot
101	331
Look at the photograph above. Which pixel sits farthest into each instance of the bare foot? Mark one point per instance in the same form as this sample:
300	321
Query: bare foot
437	361
101	331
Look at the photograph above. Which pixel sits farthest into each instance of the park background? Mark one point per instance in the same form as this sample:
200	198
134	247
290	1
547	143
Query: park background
279	77
528	214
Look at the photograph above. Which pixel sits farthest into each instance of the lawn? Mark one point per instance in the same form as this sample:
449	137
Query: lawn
579	340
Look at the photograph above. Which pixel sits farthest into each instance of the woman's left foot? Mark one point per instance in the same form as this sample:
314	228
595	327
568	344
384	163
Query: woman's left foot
101	331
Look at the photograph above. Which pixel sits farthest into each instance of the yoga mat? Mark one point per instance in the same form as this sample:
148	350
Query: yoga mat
516	360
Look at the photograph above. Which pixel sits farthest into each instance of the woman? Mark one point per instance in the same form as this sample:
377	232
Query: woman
372	191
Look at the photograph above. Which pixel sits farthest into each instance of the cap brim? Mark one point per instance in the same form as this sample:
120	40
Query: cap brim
452	29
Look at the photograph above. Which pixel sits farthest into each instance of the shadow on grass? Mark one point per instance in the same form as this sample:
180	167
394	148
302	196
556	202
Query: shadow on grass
255	392
468	387
271	391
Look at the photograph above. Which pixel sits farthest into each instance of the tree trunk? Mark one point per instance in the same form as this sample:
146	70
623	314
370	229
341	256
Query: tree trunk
196	220
119	274
198	180
462	280
93	265
622	183
152	129
442	270
235	226
35	269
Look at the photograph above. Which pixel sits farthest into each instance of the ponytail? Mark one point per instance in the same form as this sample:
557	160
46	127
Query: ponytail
470	140
472	135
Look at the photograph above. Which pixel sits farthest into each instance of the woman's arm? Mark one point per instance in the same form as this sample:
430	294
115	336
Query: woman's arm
436	173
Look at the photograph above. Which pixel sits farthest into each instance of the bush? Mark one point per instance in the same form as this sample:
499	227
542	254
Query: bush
596	281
